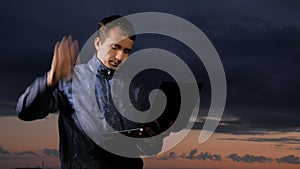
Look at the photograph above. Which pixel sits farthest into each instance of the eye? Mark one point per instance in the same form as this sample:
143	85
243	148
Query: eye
115	47
126	51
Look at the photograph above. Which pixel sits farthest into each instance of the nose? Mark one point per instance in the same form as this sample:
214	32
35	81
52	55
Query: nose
121	56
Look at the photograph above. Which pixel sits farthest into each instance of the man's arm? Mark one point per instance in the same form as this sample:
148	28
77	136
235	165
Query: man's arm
40	98
37	101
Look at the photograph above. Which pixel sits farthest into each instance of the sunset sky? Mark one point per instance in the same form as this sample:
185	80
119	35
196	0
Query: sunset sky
258	43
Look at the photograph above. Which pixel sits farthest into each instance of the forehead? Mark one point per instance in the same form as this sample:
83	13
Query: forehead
114	36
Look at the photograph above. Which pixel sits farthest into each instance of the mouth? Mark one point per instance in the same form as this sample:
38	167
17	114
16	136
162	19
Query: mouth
114	64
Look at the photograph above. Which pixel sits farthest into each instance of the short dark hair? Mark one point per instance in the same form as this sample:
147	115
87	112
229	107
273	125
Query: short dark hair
119	21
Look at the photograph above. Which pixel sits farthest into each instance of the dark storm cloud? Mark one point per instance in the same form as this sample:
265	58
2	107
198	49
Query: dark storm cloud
262	87
51	152
261	63
291	159
249	158
258	43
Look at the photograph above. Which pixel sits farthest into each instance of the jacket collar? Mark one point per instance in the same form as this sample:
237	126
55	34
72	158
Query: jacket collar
99	68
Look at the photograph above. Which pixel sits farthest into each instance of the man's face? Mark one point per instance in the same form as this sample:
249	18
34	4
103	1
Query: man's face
114	50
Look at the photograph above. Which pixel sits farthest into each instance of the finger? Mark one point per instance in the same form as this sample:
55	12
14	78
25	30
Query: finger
74	52
64	58
51	79
60	47
70	40
63	39
67	58
55	55
57	62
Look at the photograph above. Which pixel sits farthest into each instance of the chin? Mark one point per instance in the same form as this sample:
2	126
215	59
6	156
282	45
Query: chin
113	68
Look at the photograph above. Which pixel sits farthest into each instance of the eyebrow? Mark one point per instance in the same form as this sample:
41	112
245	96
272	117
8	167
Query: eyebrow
120	46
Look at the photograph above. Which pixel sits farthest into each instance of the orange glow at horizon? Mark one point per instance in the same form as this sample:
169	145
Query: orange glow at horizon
17	136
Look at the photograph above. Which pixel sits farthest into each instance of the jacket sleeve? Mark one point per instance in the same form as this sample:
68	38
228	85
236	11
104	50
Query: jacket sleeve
37	101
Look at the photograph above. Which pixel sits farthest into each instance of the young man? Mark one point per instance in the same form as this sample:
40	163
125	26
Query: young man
53	92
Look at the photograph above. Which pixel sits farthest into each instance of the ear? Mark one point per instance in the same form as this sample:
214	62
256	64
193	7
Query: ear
97	43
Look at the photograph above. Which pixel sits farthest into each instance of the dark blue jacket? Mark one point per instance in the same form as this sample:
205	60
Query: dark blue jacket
77	149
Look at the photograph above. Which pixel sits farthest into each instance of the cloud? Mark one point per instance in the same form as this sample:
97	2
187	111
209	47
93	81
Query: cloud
233	127
51	152
202	156
192	154
291	159
27	153
231	124
206	156
259	51
4	151
7	108
12	86
262	88
171	155
263	92
285	140
249	158
6	155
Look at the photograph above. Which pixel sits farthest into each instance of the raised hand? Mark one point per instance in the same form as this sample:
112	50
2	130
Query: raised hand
65	54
